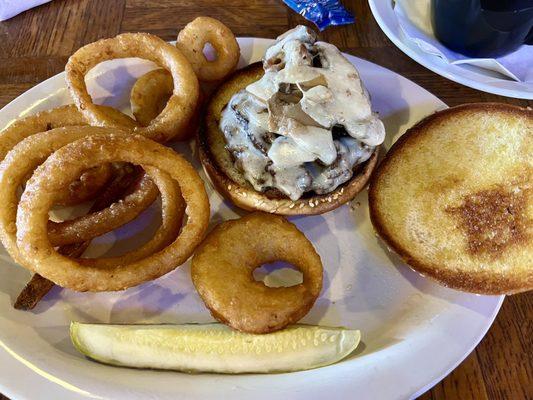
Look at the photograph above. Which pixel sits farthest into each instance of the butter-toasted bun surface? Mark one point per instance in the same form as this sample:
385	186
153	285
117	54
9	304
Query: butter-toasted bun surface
453	197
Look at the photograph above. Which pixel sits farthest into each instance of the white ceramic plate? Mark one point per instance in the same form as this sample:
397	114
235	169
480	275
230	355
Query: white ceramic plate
414	331
467	75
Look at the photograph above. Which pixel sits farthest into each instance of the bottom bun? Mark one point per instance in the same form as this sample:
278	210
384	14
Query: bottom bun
229	181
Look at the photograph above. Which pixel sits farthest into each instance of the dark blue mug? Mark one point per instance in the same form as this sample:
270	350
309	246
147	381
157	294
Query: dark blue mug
483	28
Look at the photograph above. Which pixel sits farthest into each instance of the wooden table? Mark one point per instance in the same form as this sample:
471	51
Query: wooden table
35	46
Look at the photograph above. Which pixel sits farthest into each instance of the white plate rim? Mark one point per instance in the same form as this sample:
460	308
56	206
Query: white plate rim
18	367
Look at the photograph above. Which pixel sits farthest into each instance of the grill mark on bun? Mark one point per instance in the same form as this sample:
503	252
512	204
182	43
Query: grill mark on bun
493	220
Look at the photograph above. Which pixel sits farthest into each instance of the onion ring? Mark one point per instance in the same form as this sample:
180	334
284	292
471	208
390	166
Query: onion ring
27	156
150	94
90	182
61	167
222	270
86	187
100	222
192	40
172	209
20	129
173	120
55	118
38	286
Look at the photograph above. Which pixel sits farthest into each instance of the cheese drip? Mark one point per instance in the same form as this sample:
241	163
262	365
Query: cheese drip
306	123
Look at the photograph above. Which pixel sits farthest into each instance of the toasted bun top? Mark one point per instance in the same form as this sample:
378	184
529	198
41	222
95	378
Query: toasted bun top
454	198
230	182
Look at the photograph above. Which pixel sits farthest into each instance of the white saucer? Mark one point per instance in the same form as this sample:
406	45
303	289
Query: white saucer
474	77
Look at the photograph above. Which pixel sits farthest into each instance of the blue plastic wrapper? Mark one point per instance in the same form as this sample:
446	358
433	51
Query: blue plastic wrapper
322	13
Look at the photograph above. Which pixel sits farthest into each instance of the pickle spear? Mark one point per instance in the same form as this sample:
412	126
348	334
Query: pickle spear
213	347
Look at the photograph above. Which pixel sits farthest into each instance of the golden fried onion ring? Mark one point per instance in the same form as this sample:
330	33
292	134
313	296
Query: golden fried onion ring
100	222
192	40
43	121
172	209
86	187
173	120
124	177
91	182
31	152
150	94
34	151
55	118
222	272
63	166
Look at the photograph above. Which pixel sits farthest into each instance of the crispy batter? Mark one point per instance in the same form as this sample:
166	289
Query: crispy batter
38	286
31	152
86	187
192	40
94	224
50	119
173	120
20	129
34	150
223	265
172	209
100	274
91	182
150	94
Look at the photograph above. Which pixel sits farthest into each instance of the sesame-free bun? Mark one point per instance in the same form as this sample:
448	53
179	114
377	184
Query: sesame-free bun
230	182
453	198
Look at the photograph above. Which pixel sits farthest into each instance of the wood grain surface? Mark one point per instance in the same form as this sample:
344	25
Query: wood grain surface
36	44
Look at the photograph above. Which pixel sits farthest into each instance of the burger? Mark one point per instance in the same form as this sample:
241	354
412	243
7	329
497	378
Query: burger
294	134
